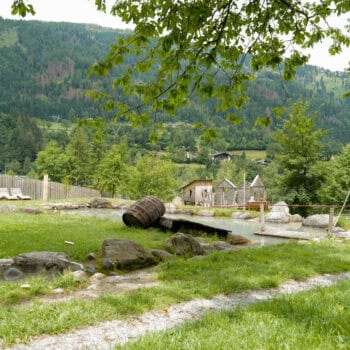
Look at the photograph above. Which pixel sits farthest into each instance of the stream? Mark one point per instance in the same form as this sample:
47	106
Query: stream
245	228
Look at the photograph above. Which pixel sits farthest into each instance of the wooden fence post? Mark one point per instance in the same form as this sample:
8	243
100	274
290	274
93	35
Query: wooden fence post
331	218
46	187
262	218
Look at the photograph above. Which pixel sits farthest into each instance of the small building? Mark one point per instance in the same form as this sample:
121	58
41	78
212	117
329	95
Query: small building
221	156
258	190
225	193
198	192
252	193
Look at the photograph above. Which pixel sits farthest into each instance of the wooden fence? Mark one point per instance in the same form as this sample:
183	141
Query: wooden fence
34	188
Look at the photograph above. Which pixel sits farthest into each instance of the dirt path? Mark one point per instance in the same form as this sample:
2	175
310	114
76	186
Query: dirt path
107	334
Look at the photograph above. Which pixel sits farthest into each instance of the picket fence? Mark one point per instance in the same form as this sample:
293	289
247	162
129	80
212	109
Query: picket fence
34	188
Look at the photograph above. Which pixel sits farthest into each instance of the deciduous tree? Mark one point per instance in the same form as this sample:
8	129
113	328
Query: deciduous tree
187	45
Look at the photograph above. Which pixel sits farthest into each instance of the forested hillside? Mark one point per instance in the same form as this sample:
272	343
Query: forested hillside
43	74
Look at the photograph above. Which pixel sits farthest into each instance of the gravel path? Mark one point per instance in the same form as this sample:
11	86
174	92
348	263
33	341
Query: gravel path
107	334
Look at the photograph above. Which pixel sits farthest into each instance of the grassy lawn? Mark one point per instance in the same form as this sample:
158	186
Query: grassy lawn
21	233
317	319
221	272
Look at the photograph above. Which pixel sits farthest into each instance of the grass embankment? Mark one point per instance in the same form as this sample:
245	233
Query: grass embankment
221	272
317	319
21	233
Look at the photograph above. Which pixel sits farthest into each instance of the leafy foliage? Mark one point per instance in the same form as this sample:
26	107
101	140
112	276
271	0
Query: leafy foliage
300	149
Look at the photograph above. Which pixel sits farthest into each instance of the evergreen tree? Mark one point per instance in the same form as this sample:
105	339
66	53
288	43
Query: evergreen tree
300	149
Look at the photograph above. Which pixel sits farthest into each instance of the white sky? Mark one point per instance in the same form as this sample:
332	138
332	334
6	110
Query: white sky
84	11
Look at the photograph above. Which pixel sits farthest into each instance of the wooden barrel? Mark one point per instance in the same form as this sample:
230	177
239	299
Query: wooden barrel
144	212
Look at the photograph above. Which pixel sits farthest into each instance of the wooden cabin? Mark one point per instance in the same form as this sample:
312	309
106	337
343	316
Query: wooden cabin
219	156
198	192
252	194
225	193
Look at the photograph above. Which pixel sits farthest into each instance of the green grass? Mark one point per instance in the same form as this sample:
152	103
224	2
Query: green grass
36	286
317	320
21	233
182	280
344	223
251	154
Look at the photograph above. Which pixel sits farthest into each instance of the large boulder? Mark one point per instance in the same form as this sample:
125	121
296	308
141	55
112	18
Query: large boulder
5	264
183	245
161	255
237	239
242	215
41	261
317	220
13	274
280	207
295	218
126	254
278	217
100	203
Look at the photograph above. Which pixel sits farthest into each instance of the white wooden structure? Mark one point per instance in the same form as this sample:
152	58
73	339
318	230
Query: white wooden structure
198	192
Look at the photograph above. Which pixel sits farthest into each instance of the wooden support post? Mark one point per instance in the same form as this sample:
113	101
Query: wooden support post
331	218
262	218
46	187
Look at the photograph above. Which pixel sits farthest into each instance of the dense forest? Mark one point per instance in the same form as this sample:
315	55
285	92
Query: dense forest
43	83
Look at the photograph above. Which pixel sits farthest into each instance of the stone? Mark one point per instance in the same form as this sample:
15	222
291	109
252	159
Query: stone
278	217
342	234
187	212
237	239
13	274
79	275
38	261
74	266
207	213
5	264
220	245
58	291
107	264
97	277
126	254
280	207
161	255
91	256
338	229
208	248
92	287
242	216
65	206
100	203
34	211
170	208
90	269
120	206
7	208
295	218
317	220
183	245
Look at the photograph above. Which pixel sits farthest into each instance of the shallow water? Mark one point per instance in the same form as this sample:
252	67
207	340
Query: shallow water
241	227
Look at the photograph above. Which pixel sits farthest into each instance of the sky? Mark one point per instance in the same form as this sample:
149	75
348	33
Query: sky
84	11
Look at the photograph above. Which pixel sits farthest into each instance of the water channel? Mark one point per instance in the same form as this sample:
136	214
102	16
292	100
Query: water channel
241	227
